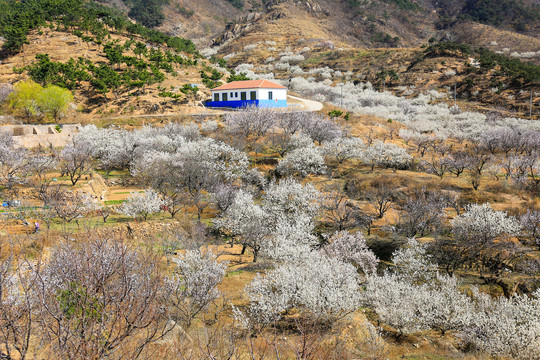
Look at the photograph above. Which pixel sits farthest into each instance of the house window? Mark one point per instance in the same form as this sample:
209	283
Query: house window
253	95
225	97
243	95
216	97
270	95
235	94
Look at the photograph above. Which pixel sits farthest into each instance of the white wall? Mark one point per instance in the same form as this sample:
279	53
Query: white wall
262	94
277	94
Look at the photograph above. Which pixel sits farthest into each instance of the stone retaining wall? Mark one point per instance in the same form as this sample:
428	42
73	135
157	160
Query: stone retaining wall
31	136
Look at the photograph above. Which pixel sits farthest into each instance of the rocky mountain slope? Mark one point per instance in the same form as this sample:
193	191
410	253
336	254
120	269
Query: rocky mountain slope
359	23
369	39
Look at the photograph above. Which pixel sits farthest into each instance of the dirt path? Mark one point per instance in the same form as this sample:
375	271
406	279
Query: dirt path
309	105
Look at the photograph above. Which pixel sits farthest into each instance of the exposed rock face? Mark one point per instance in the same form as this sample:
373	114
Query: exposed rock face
234	30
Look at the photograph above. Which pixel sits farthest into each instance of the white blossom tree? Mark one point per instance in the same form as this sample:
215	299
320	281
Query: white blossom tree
66	205
76	159
301	140
443	307
246	219
289	199
98	297
113	149
223	195
18	302
13	162
41	165
531	225
352	248
281	224
475	232
290	208
302	161
342	149
412	262
414	296
410	307
193	286
291	240
395	302
506	327
141	205
483	223
322	288
386	155
319	128
253	121
186	175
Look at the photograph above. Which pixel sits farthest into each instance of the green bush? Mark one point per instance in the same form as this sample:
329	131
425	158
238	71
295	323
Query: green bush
147	12
498	12
211	81
239	4
33	99
185	11
335	113
237	77
24	97
54	101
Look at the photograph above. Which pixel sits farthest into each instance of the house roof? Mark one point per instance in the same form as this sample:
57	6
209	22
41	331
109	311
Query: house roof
249	84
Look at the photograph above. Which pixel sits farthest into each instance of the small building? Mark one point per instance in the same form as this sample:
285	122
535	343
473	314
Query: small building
260	93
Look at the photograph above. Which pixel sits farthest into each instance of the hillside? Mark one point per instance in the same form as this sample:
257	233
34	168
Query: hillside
165	94
369	40
374	23
480	79
380	41
112	65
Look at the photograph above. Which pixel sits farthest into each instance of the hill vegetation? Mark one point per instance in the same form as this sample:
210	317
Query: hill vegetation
518	71
125	56
19	17
503	12
147	12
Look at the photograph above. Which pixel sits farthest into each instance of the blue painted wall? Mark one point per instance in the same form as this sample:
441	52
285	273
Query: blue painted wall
246	103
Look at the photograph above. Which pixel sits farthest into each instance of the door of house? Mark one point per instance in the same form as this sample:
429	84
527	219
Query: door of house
253	95
225	97
243	96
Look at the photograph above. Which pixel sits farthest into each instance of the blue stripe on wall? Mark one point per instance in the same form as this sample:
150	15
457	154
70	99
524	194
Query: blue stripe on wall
246	103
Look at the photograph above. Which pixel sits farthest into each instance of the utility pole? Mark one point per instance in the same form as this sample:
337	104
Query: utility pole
530	105
341	99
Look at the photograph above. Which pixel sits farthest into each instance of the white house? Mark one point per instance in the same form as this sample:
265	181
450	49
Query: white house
261	93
